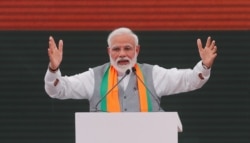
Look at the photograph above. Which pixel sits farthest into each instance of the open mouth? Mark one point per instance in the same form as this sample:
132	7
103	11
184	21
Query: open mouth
123	62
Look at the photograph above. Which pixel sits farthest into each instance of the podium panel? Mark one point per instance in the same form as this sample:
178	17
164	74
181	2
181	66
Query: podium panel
132	127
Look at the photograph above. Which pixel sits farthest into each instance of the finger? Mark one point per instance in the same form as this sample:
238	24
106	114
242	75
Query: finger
212	46
52	43
199	45
50	52
214	54
60	46
208	42
215	49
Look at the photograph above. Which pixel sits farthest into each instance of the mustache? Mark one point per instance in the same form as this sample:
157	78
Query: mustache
123	59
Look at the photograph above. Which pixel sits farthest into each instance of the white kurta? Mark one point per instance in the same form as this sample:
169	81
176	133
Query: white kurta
165	81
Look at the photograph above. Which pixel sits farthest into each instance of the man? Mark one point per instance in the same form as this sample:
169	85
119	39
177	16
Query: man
123	85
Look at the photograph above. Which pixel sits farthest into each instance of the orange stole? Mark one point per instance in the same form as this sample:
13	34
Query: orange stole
111	103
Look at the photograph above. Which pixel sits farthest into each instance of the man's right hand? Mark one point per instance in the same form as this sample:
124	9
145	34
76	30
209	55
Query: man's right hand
55	54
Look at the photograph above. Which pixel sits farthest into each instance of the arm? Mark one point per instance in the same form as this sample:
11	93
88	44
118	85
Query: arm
79	86
172	81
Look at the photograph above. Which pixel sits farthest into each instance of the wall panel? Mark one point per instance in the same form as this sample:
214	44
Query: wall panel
218	112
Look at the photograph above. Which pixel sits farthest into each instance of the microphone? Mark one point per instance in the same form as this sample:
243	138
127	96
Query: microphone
155	98
126	73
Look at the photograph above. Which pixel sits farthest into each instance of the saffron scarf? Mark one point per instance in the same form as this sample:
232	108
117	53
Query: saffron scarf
111	102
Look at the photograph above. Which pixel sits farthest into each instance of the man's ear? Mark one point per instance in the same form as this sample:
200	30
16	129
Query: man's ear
108	50
137	49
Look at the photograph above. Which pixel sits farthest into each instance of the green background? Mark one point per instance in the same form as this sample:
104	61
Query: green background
216	113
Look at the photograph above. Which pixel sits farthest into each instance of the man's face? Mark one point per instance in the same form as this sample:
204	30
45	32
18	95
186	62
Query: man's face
123	52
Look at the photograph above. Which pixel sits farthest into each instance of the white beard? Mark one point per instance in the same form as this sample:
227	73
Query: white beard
123	68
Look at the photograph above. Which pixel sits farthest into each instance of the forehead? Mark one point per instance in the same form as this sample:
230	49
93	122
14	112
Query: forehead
123	39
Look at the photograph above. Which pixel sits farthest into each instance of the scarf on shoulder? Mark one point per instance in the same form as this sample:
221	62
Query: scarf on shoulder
111	102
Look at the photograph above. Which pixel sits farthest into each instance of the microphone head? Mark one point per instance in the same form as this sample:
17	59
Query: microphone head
127	72
133	69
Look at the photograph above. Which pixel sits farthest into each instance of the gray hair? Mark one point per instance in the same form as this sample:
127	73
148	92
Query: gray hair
120	31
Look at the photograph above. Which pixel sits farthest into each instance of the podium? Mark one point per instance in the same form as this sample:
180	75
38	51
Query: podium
127	127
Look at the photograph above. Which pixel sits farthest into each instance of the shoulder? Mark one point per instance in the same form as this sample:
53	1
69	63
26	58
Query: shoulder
145	65
102	67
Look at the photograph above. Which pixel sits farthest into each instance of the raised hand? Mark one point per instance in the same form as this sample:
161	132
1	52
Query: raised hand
55	54
208	53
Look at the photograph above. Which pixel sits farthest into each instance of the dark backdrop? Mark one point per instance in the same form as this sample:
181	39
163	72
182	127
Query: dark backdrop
218	112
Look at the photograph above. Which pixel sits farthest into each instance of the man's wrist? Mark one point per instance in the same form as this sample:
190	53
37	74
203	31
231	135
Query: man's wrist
53	70
204	66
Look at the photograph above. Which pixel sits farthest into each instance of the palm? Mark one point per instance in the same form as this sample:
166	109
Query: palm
208	53
55	54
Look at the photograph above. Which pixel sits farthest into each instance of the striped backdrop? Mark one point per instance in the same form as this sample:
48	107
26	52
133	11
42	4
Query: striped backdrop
140	14
167	30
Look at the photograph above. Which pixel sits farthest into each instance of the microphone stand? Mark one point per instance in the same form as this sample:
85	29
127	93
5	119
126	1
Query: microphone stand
126	73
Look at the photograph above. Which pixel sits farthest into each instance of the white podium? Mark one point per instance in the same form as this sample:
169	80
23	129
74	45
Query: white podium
131	127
